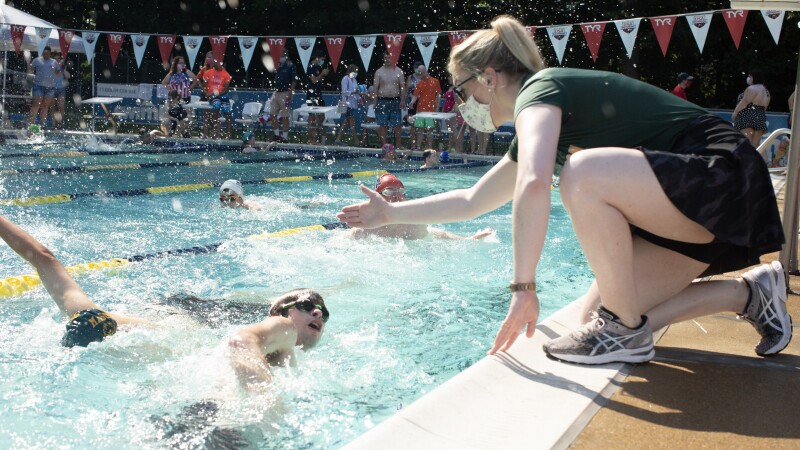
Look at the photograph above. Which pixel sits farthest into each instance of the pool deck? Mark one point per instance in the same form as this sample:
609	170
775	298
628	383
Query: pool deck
705	388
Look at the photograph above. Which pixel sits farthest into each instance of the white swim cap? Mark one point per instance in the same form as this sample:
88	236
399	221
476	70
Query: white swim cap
234	186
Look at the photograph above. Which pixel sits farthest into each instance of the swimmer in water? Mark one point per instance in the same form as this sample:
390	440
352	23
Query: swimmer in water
231	195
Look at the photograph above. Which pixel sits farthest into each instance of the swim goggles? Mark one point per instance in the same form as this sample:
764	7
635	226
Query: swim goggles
393	192
309	307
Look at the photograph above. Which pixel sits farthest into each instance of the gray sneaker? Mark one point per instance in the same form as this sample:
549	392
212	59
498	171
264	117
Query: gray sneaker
766	309
603	341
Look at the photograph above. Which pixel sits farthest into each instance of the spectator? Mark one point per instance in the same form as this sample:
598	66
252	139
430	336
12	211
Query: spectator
349	103
408	96
389	83
453	123
315	73
281	102
179	78
684	83
217	82
59	96
750	116
175	120
427	96
46	70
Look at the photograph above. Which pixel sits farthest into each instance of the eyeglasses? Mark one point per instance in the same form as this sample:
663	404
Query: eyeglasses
309	307
393	192
459	92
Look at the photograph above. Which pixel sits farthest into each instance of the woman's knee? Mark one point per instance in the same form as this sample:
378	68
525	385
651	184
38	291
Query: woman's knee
577	176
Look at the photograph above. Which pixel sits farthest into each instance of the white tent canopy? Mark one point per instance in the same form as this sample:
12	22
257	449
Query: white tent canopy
12	16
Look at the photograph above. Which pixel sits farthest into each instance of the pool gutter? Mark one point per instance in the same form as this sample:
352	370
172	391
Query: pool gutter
518	399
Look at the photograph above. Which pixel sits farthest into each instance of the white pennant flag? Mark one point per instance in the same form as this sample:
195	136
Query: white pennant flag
699	24
89	42
305	45
366	44
42	38
247	44
192	45
774	20
559	35
628	29
139	46
426	43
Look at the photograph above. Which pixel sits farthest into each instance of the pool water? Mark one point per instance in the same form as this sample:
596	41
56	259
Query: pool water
405	315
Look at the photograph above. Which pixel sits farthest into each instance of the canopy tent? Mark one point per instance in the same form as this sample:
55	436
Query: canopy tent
12	16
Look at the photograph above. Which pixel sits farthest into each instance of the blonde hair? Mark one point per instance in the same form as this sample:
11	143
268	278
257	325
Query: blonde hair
293	296
507	47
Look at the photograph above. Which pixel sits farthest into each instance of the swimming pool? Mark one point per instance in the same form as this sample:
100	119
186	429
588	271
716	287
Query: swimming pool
405	315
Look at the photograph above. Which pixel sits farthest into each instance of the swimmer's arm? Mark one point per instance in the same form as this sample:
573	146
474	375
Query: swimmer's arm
251	343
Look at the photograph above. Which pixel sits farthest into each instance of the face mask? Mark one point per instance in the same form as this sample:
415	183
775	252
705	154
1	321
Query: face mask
181	67
321	63
749	81
477	115
353	74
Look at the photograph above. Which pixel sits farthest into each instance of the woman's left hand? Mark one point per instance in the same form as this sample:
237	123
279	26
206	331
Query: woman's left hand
524	310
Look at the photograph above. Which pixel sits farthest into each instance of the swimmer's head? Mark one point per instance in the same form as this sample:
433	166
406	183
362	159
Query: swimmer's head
306	309
87	326
391	188
247	136
231	193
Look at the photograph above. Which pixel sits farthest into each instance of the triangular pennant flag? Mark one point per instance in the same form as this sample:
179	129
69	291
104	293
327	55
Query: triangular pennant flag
247	44
192	45
89	42
64	40
276	45
457	37
559	35
699	24
114	44
426	43
335	45
531	30
165	44
774	20
366	45
394	45
593	32
663	27
735	19
628	29
218	45
305	45
139	46
42	38
17	35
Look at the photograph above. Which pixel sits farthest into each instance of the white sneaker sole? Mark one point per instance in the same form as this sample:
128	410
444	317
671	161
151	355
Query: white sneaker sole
636	355
779	287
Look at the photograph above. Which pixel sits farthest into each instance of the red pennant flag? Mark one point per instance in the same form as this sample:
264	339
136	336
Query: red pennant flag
276	45
663	28
64	40
17	34
114	45
218	46
735	19
394	45
531	30
165	44
457	37
593	32
335	45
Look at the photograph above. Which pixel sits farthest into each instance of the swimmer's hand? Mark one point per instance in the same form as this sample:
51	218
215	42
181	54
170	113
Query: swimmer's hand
486	232
524	310
370	214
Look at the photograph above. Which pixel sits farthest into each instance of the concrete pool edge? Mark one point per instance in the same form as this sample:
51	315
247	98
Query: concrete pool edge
520	399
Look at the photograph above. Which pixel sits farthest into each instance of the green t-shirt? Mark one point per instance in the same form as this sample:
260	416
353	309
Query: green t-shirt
604	109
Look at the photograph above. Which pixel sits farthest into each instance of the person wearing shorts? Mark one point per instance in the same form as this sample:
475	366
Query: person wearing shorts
281	101
389	82
217	82
59	96
46	71
427	96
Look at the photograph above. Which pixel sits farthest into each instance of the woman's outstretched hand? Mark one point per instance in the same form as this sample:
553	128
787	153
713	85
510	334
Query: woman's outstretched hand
372	213
524	310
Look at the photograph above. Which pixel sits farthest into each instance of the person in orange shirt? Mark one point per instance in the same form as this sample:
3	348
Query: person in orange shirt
427	96
217	81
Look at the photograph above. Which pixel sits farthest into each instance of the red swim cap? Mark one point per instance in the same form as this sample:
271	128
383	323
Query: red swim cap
386	181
